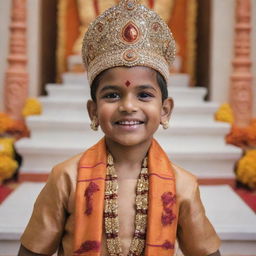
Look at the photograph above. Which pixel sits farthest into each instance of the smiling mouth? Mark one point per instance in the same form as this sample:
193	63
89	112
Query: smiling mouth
129	123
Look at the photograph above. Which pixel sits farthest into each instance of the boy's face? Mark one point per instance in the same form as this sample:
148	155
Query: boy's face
129	105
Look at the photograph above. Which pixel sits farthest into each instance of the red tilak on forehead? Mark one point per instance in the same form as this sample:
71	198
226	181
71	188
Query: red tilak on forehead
127	83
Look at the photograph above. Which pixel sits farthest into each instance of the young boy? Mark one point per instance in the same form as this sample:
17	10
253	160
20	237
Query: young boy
123	196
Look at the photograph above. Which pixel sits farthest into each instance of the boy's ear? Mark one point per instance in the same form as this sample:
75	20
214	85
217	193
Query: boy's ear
92	109
166	109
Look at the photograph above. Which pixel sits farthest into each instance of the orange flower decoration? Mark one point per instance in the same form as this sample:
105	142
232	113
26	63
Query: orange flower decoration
5	122
243	136
251	133
18	130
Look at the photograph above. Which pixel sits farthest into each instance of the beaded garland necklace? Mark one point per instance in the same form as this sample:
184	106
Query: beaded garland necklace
111	220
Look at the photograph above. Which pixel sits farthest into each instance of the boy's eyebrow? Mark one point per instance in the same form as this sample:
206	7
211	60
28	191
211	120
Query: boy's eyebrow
109	87
146	87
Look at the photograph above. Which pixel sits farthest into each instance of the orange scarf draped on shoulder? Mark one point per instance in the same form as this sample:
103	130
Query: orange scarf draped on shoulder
162	208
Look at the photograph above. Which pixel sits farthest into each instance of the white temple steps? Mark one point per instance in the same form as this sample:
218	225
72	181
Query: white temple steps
15	212
233	220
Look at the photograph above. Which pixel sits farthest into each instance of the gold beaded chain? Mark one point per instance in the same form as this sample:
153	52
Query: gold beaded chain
111	211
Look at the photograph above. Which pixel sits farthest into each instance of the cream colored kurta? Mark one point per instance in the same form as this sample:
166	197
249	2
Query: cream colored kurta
51	226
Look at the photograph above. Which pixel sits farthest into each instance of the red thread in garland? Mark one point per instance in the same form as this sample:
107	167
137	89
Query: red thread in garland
90	190
96	7
151	4
88	246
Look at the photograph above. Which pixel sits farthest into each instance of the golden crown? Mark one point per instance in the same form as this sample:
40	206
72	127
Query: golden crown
128	34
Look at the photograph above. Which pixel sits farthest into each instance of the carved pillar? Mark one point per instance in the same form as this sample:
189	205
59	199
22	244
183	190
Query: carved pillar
16	76
241	78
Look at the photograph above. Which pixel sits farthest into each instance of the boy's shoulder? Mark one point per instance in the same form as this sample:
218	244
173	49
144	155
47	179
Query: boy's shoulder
182	174
186	182
67	167
70	162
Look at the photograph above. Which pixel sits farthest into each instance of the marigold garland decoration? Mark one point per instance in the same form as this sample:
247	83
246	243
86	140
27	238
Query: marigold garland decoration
18	130
246	169
243	137
5	122
8	166
237	136
6	147
32	107
224	114
10	131
251	133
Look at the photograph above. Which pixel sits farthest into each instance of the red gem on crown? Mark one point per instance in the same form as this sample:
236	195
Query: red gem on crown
130	33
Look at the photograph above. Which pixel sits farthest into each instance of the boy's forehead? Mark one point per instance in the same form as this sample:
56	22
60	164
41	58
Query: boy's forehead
129	75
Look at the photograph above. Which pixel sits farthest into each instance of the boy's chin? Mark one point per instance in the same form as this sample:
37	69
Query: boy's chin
128	142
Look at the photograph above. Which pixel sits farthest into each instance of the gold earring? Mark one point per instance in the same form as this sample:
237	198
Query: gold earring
165	124
94	125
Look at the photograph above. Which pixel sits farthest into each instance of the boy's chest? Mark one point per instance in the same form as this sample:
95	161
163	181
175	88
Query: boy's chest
126	211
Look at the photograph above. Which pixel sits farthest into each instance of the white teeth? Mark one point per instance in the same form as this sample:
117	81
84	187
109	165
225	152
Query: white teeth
129	122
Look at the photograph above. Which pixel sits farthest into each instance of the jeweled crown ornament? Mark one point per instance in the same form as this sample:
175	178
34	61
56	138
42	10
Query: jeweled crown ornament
128	34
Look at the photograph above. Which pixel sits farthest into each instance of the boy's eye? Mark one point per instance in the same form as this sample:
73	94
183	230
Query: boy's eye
112	95
145	95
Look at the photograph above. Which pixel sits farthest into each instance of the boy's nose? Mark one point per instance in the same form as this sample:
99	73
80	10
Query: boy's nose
128	105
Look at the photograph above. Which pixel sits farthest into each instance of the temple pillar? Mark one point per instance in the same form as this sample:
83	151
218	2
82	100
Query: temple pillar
241	77
16	76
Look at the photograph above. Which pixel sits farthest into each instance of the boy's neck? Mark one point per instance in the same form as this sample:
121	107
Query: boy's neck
128	155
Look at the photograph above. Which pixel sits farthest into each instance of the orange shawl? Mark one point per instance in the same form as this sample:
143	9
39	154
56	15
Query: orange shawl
162	208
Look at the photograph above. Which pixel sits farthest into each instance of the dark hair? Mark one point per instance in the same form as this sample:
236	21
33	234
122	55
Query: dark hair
159	77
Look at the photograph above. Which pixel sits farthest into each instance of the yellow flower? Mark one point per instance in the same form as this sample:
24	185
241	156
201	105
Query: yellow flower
5	122
6	147
246	170
224	114
8	166
32	107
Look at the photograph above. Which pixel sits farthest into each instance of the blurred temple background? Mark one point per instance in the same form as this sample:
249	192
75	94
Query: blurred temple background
44	90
